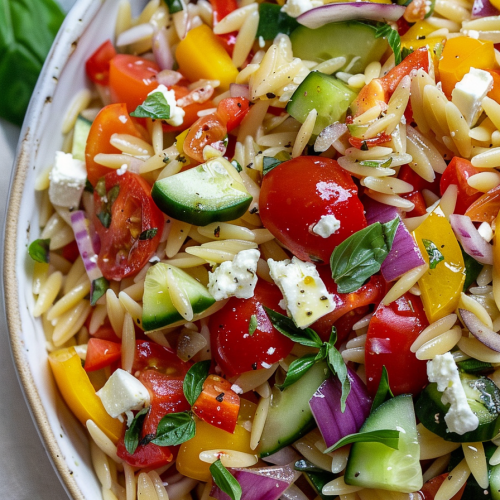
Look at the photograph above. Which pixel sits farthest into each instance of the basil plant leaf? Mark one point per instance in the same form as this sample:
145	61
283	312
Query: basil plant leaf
225	480
393	39
39	250
297	369
194	379
174	6
383	392
148	234
269	163
155	106
435	256
131	438
252	324
174	429
338	367
361	255
385	436
97	289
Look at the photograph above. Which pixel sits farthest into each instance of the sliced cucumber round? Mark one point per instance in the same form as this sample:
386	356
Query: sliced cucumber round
211	192
375	465
158	308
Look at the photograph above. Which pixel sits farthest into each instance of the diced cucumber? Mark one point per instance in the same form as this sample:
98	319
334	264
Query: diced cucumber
317	480
483	397
211	192
374	465
158	308
290	415
329	96
495	482
80	134
349	39
273	21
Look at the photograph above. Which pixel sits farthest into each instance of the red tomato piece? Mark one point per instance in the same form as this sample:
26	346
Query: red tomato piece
297	193
431	487
358	143
131	79
152	355
392	331
218	404
149	455
232	110
101	353
233	348
486	207
408	175
112	119
457	172
123	253
97	65
418	200
106	332
70	251
221	8
207	131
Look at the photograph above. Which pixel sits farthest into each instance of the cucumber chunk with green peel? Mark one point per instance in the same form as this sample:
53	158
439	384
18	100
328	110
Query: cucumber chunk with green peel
349	39
158	308
211	192
483	397
290	415
328	95
80	135
375	465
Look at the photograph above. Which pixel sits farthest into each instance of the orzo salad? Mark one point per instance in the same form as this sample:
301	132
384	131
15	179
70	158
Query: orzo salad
268	265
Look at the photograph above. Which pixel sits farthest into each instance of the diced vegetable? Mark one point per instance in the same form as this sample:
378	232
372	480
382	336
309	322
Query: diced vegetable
472	242
80	225
273	21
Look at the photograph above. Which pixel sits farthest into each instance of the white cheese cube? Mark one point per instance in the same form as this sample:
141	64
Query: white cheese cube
236	278
469	92
326	226
123	392
295	8
67	180
306	296
176	112
443	370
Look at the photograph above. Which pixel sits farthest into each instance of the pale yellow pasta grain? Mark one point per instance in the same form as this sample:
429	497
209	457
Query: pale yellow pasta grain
372	71
101	465
179	296
398	102
46	209
48	293
69	323
69	300
132	307
484	181
375	153
252	120
440	344
102	441
304	133
433	330
495	458
184	260
123	18
307	448
128	343
135	291
178	233
259	421
74	275
108	494
229	458
431	445
80	101
435	110
42	181
387	185
468	303
392	200
225	231
59	263
459	130
492	110
248	381
130	482
417	102
271	250
355	354
330	66
339	487
131	145
233	246
245	38
359	171
449	200
116	312
456	479
437	467
476	460
145	488
161	492
234	20
40	275
475	349
405	283
159	160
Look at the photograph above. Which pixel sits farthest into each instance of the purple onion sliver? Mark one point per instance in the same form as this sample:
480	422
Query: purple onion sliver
162	50
282	457
239	90
379	212
483	8
472	242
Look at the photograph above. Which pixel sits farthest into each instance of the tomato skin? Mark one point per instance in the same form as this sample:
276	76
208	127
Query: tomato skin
149	455
218	404
392	331
408	175
418	200
234	350
150	355
122	253
101	353
112	119
232	110
431	487
457	172
294	196
206	131
221	8
381	138
97	65
70	251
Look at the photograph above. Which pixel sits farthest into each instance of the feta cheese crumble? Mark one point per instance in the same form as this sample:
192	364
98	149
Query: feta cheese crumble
67	180
236	278
176	112
326	226
306	296
295	8
123	392
469	93
443	370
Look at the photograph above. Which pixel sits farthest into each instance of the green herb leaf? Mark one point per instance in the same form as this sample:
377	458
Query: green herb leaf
369	163
132	434
268	163
237	166
388	437
474	366
405	52
193	381
337	366
88	187
174	6
272	21
39	250
252	325
225	480
392	36
148	234
287	327
97	289
304	465
107	200
387	163
174	429
364	146
297	369
472	269
383	392
155	106
361	255
435	256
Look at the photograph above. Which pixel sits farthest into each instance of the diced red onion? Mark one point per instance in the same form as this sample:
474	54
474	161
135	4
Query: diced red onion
329	135
483	8
80	225
162	50
282	457
168	77
472	242
239	90
350	11
325	406
482	333
265	483
379	212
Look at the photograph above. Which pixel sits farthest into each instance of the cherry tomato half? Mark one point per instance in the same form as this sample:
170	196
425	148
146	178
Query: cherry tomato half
297	193
101	353
152	355
97	65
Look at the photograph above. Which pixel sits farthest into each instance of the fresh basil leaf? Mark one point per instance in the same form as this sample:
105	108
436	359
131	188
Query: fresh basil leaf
474	366
100	188
297	369
435	256
364	146
148	234
405	52
237	166
88	187
337	366
252	325
194	379
39	250
132	434
387	163
369	163
107	200
97	289
273	21
225	480
268	163
104	218
361	255
393	39
287	327
472	269
174	429
388	437
155	106
174	6
304	465
383	392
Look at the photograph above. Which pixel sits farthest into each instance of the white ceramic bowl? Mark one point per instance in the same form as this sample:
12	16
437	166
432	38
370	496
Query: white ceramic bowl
89	24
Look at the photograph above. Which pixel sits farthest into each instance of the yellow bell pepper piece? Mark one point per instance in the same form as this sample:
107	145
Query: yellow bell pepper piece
79	394
209	437
417	31
179	140
495	3
440	287
200	55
